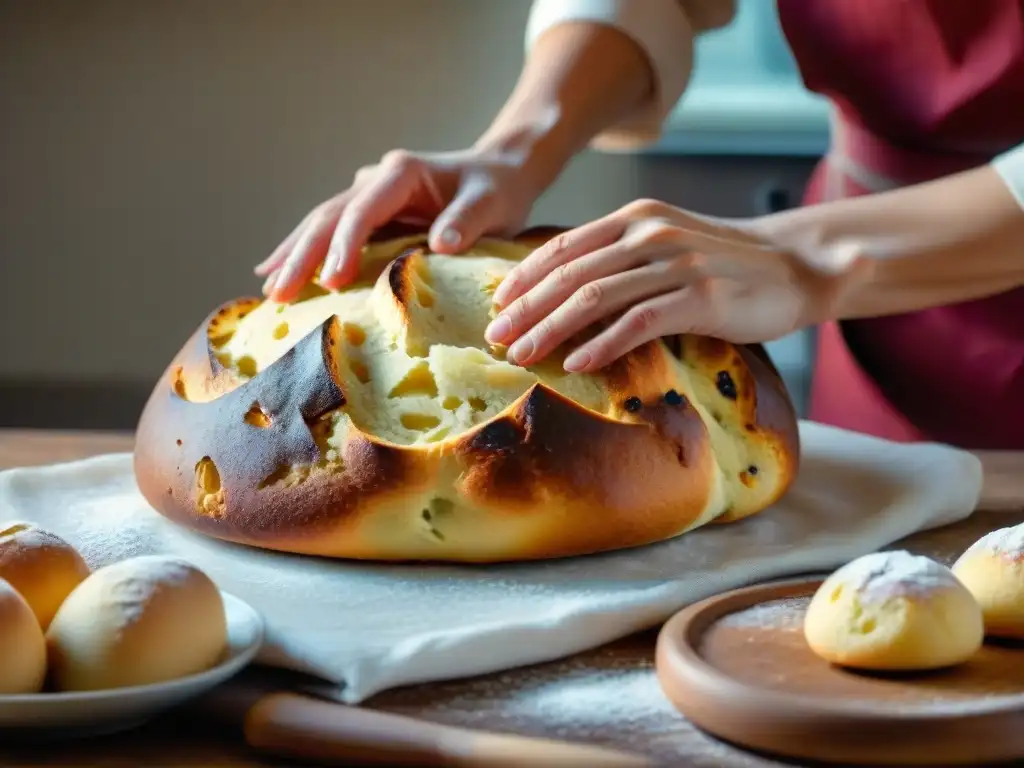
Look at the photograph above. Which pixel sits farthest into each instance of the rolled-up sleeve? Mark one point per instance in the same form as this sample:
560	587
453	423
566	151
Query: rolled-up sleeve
1010	166
659	27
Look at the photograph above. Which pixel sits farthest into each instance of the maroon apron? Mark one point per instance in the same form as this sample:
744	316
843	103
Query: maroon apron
920	89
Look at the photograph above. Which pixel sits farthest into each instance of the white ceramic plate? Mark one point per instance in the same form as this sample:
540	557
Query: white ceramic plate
93	712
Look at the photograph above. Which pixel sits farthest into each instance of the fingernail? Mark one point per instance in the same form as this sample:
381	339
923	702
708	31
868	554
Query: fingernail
521	350
498	330
284	277
330	268
287	273
268	284
450	236
577	361
261	268
500	298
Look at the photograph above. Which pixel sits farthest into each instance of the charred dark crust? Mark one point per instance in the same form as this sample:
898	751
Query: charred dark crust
400	275
674	344
399	286
578	454
175	434
497	436
496	459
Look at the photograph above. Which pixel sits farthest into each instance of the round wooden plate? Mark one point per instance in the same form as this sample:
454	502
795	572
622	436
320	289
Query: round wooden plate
737	666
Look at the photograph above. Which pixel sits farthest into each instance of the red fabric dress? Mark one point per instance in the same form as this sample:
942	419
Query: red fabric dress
922	89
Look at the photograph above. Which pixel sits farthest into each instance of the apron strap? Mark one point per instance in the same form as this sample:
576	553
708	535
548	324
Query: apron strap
842	164
876	165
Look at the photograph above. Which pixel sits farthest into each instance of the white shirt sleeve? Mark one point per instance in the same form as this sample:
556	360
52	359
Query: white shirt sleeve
1010	166
659	27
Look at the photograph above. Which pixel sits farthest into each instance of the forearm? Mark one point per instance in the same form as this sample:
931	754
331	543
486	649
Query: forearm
942	242
595	65
578	79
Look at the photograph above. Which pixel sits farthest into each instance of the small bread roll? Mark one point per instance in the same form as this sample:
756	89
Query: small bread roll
144	620
893	611
22	647
993	570
41	566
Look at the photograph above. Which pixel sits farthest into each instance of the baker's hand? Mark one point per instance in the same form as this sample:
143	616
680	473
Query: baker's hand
463	194
651	270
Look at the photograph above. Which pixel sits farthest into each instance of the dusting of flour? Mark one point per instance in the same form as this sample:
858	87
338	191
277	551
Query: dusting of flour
896	572
599	701
130	585
1006	542
31	536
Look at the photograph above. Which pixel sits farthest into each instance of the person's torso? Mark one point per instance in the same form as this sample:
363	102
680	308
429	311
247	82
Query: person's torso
923	88
926	74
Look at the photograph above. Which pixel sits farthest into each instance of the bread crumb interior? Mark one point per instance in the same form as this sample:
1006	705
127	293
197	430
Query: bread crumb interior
416	367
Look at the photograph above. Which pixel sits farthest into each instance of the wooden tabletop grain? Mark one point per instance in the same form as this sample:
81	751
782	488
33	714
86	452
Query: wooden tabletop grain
605	696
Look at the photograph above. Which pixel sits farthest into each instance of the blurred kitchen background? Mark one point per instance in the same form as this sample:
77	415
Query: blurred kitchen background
152	151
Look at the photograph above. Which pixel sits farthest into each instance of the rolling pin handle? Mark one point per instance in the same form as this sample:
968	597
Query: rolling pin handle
303	727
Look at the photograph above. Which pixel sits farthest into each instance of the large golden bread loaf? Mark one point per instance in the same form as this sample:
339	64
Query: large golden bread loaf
377	423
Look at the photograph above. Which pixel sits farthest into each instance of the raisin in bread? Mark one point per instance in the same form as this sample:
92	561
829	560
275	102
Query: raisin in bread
377	423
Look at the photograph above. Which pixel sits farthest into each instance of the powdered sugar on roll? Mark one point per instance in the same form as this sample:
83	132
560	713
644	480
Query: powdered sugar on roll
882	575
31	537
1006	542
139	581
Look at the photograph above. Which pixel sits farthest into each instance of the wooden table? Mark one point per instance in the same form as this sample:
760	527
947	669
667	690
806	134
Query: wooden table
605	696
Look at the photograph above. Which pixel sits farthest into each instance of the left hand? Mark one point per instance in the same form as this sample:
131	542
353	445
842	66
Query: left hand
654	270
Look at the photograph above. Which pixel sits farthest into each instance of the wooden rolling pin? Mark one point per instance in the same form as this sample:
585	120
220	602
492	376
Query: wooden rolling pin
304	727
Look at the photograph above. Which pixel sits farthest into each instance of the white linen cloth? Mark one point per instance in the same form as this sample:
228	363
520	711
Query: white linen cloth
369	627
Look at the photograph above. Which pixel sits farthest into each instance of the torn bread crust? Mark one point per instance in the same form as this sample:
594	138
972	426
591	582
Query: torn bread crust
376	423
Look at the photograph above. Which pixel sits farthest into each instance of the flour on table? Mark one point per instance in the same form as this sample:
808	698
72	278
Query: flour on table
786	613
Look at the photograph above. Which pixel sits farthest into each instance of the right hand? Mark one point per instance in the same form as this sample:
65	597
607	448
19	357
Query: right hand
462	195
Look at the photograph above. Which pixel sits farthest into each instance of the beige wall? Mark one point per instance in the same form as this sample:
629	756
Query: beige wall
182	139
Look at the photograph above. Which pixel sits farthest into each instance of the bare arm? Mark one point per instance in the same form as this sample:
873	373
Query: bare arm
583	76
950	240
579	78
